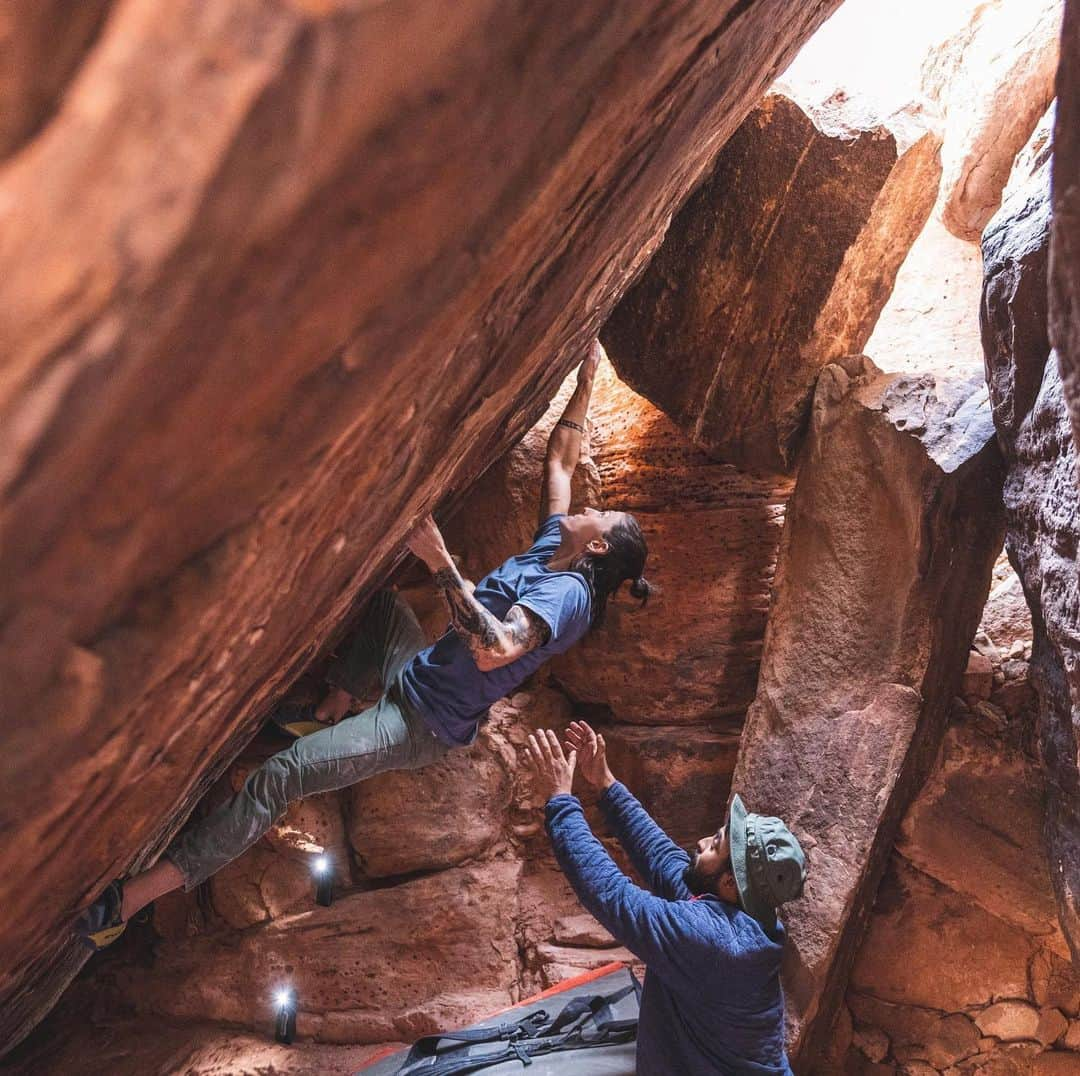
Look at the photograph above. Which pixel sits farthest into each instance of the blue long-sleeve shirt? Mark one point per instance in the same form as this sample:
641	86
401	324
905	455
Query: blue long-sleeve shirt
712	1001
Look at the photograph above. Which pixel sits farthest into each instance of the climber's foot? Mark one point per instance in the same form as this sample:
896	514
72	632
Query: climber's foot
101	924
297	718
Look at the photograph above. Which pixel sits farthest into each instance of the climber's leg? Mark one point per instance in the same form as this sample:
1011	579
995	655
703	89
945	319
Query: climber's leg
381	738
385	638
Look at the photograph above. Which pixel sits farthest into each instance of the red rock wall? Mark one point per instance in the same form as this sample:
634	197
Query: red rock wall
389	960
985	984
1042	500
734	362
275	280
1065	239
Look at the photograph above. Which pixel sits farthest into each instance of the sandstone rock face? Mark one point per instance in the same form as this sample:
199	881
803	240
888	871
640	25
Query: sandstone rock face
733	363
692	654
712	533
431	818
884	566
327	956
149	1047
975	827
42	43
964	950
280	338
977	972
1042	501
1065	238
992	81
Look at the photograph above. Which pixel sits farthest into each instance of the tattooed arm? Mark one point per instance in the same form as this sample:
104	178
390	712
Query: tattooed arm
492	642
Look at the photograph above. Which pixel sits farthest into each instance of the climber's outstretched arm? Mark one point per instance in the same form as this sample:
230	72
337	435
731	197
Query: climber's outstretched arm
492	642
564	444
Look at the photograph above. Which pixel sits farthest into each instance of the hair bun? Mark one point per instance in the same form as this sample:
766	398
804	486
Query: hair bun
642	589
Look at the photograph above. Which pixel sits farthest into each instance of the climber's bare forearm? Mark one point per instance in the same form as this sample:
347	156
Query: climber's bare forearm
564	444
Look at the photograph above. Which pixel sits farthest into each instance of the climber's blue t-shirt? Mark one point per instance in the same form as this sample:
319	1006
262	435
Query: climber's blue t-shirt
442	683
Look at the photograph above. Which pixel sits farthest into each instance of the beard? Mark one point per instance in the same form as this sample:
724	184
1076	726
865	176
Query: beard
700	882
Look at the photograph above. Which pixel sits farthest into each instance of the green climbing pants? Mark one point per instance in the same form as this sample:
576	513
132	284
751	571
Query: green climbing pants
386	736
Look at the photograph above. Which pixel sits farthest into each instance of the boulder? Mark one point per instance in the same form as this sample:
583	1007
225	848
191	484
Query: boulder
866	61
1042	501
912	1033
1006	619
956	956
282	337
978	680
976	826
1064	312
991	82
1051	1027
884	566
1009	1021
1055	982
378	966
750	296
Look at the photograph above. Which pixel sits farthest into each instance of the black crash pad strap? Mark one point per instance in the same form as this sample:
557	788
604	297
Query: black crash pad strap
532	1036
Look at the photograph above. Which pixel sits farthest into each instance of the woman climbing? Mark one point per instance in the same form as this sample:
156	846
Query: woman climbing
533	606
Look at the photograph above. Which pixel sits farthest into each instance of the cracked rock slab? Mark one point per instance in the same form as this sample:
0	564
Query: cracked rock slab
751	293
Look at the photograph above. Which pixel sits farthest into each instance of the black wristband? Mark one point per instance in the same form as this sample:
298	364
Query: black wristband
572	425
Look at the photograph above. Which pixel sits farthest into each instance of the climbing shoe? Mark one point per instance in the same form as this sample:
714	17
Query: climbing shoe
100	925
297	718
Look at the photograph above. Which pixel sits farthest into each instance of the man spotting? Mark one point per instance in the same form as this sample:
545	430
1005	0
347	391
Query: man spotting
533	606
707	931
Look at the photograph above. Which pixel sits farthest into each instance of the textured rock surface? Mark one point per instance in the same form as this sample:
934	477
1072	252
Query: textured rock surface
884	566
1041	499
712	534
1065	240
198	465
975	827
970	893
42	43
991	81
328	955
734	364
148	1047
435	817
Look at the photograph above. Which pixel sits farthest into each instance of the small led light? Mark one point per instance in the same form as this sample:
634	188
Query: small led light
324	881
285	1020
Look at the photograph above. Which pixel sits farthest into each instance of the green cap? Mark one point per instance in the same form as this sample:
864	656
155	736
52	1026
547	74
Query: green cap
767	860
